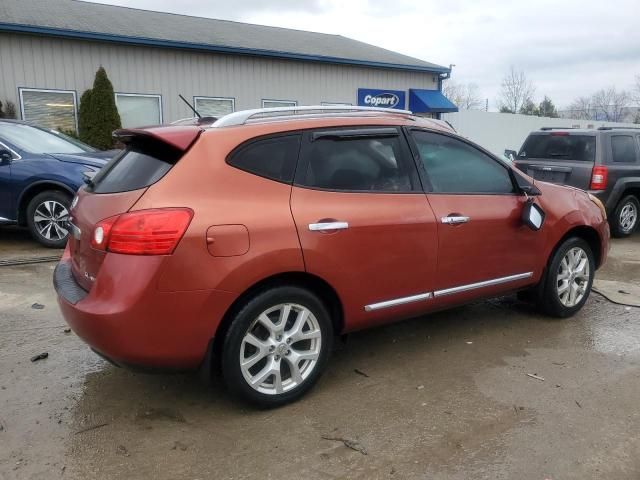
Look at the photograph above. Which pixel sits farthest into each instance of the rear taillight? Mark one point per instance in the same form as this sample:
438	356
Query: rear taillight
599	176
145	232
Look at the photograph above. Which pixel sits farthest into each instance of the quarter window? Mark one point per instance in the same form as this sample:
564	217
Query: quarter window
55	109
623	149
453	166
138	110
273	157
214	106
366	164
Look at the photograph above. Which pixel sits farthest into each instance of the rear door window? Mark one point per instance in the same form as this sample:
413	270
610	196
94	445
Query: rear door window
623	149
273	157
559	146
358	161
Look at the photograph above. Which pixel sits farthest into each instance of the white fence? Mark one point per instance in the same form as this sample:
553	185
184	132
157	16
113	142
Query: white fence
499	131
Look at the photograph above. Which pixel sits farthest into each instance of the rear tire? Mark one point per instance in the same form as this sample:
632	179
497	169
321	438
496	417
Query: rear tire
277	346
47	218
568	279
625	217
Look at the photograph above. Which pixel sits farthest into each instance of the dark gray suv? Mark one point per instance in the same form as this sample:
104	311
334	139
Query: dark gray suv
603	161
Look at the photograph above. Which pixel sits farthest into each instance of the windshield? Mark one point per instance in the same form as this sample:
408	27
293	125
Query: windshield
559	146
38	141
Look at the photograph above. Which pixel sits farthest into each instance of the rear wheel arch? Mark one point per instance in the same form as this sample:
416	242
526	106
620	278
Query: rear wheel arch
308	281
34	189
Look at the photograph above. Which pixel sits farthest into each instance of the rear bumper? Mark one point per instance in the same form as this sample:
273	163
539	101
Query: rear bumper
127	320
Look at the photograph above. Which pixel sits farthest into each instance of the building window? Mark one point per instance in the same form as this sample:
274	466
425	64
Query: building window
54	109
214	106
335	104
278	103
137	110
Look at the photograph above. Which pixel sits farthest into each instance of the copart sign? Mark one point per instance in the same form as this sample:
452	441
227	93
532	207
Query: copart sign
368	97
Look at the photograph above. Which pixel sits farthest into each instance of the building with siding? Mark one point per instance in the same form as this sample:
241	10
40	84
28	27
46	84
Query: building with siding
51	49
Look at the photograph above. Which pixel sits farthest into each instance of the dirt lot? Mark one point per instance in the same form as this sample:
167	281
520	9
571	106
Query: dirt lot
445	396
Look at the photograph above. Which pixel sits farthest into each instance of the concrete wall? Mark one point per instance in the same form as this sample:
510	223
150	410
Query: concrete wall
499	131
53	63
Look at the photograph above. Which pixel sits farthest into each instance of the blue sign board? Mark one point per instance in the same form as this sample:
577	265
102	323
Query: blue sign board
368	97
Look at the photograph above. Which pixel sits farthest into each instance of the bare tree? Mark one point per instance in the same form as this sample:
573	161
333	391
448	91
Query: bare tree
611	104
517	91
464	96
581	109
636	90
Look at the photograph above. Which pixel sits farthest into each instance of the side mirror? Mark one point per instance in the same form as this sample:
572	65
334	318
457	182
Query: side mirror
510	154
5	156
533	216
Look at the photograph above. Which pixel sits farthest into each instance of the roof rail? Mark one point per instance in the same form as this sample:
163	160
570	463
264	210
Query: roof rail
618	128
557	128
243	116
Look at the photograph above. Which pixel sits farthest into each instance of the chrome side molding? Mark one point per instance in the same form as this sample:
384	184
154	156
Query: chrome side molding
486	283
447	291
328	226
397	301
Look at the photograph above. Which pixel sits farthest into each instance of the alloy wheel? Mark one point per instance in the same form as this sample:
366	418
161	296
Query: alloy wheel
628	217
280	348
573	277
51	220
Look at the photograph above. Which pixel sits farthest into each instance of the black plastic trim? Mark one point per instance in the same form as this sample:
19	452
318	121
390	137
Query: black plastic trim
65	285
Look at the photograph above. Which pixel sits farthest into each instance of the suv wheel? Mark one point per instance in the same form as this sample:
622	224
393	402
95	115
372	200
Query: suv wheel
625	217
568	279
277	346
47	218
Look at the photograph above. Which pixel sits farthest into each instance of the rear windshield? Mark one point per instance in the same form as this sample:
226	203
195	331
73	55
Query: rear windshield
137	167
559	147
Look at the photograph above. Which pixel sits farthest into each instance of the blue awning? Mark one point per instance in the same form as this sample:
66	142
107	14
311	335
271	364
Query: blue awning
429	101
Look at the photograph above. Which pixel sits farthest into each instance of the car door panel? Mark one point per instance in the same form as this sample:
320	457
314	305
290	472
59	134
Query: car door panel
377	247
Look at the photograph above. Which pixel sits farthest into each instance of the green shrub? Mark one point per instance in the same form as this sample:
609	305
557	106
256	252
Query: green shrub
8	110
98	115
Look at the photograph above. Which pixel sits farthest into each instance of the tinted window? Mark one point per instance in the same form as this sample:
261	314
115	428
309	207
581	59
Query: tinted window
623	149
357	164
559	146
273	158
36	140
453	166
142	164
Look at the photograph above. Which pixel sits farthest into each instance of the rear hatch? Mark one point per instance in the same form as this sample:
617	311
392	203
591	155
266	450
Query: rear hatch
563	157
148	156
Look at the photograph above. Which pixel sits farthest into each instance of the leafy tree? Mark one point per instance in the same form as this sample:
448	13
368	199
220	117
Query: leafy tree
547	108
516	91
505	109
98	113
529	108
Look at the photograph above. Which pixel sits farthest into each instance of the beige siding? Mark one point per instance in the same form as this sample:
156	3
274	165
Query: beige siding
53	63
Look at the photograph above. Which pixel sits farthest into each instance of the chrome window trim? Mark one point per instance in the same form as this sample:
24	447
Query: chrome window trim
398	301
16	155
485	283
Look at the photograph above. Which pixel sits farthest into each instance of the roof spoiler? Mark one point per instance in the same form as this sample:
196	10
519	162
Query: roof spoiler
180	137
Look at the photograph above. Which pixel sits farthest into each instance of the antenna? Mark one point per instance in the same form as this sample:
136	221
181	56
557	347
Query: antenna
189	105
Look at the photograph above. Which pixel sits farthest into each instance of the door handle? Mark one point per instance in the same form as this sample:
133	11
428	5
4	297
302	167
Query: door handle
328	226
454	219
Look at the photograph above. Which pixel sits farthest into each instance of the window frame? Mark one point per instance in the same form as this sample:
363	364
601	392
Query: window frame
290	103
147	95
405	158
424	176
48	90
247	143
634	141
202	97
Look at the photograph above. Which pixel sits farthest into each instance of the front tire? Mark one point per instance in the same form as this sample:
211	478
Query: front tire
48	217
568	279
277	346
625	217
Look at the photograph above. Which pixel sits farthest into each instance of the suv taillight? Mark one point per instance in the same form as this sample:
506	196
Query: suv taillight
144	232
599	178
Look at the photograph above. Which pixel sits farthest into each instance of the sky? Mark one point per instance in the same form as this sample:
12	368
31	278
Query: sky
566	48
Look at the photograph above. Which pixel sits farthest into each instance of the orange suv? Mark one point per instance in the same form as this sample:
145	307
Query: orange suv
250	243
